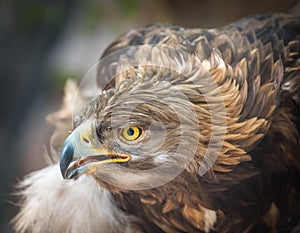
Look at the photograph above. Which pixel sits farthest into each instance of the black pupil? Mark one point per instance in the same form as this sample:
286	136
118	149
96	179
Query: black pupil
130	132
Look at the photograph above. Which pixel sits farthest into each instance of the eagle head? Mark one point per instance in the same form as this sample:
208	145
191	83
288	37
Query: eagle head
145	131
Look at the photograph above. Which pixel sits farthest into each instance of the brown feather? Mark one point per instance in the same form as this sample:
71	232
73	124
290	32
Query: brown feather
243	84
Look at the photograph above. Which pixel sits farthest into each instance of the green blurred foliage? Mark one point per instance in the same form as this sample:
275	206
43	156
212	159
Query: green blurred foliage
92	14
38	14
129	8
59	76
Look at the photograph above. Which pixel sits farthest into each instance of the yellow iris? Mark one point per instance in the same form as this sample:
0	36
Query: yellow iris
131	133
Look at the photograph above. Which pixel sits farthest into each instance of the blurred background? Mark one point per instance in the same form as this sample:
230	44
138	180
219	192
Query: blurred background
44	43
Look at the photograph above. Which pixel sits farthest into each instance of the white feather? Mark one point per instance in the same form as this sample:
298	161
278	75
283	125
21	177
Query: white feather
51	204
210	217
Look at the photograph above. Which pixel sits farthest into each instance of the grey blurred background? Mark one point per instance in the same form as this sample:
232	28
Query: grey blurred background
44	43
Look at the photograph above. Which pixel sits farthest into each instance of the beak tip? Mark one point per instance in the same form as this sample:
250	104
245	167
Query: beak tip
63	171
66	157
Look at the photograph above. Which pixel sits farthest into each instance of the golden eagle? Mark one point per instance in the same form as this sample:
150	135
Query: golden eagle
195	130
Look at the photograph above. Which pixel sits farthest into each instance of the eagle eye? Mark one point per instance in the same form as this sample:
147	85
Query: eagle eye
132	133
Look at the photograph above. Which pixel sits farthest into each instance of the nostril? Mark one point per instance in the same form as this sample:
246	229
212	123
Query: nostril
86	140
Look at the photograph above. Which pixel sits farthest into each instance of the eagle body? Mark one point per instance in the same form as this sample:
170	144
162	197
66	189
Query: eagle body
196	130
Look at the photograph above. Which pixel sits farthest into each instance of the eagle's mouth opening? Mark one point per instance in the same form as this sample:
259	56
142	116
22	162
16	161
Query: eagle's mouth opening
90	164
116	158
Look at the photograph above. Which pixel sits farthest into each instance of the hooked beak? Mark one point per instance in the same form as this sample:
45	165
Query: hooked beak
80	153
